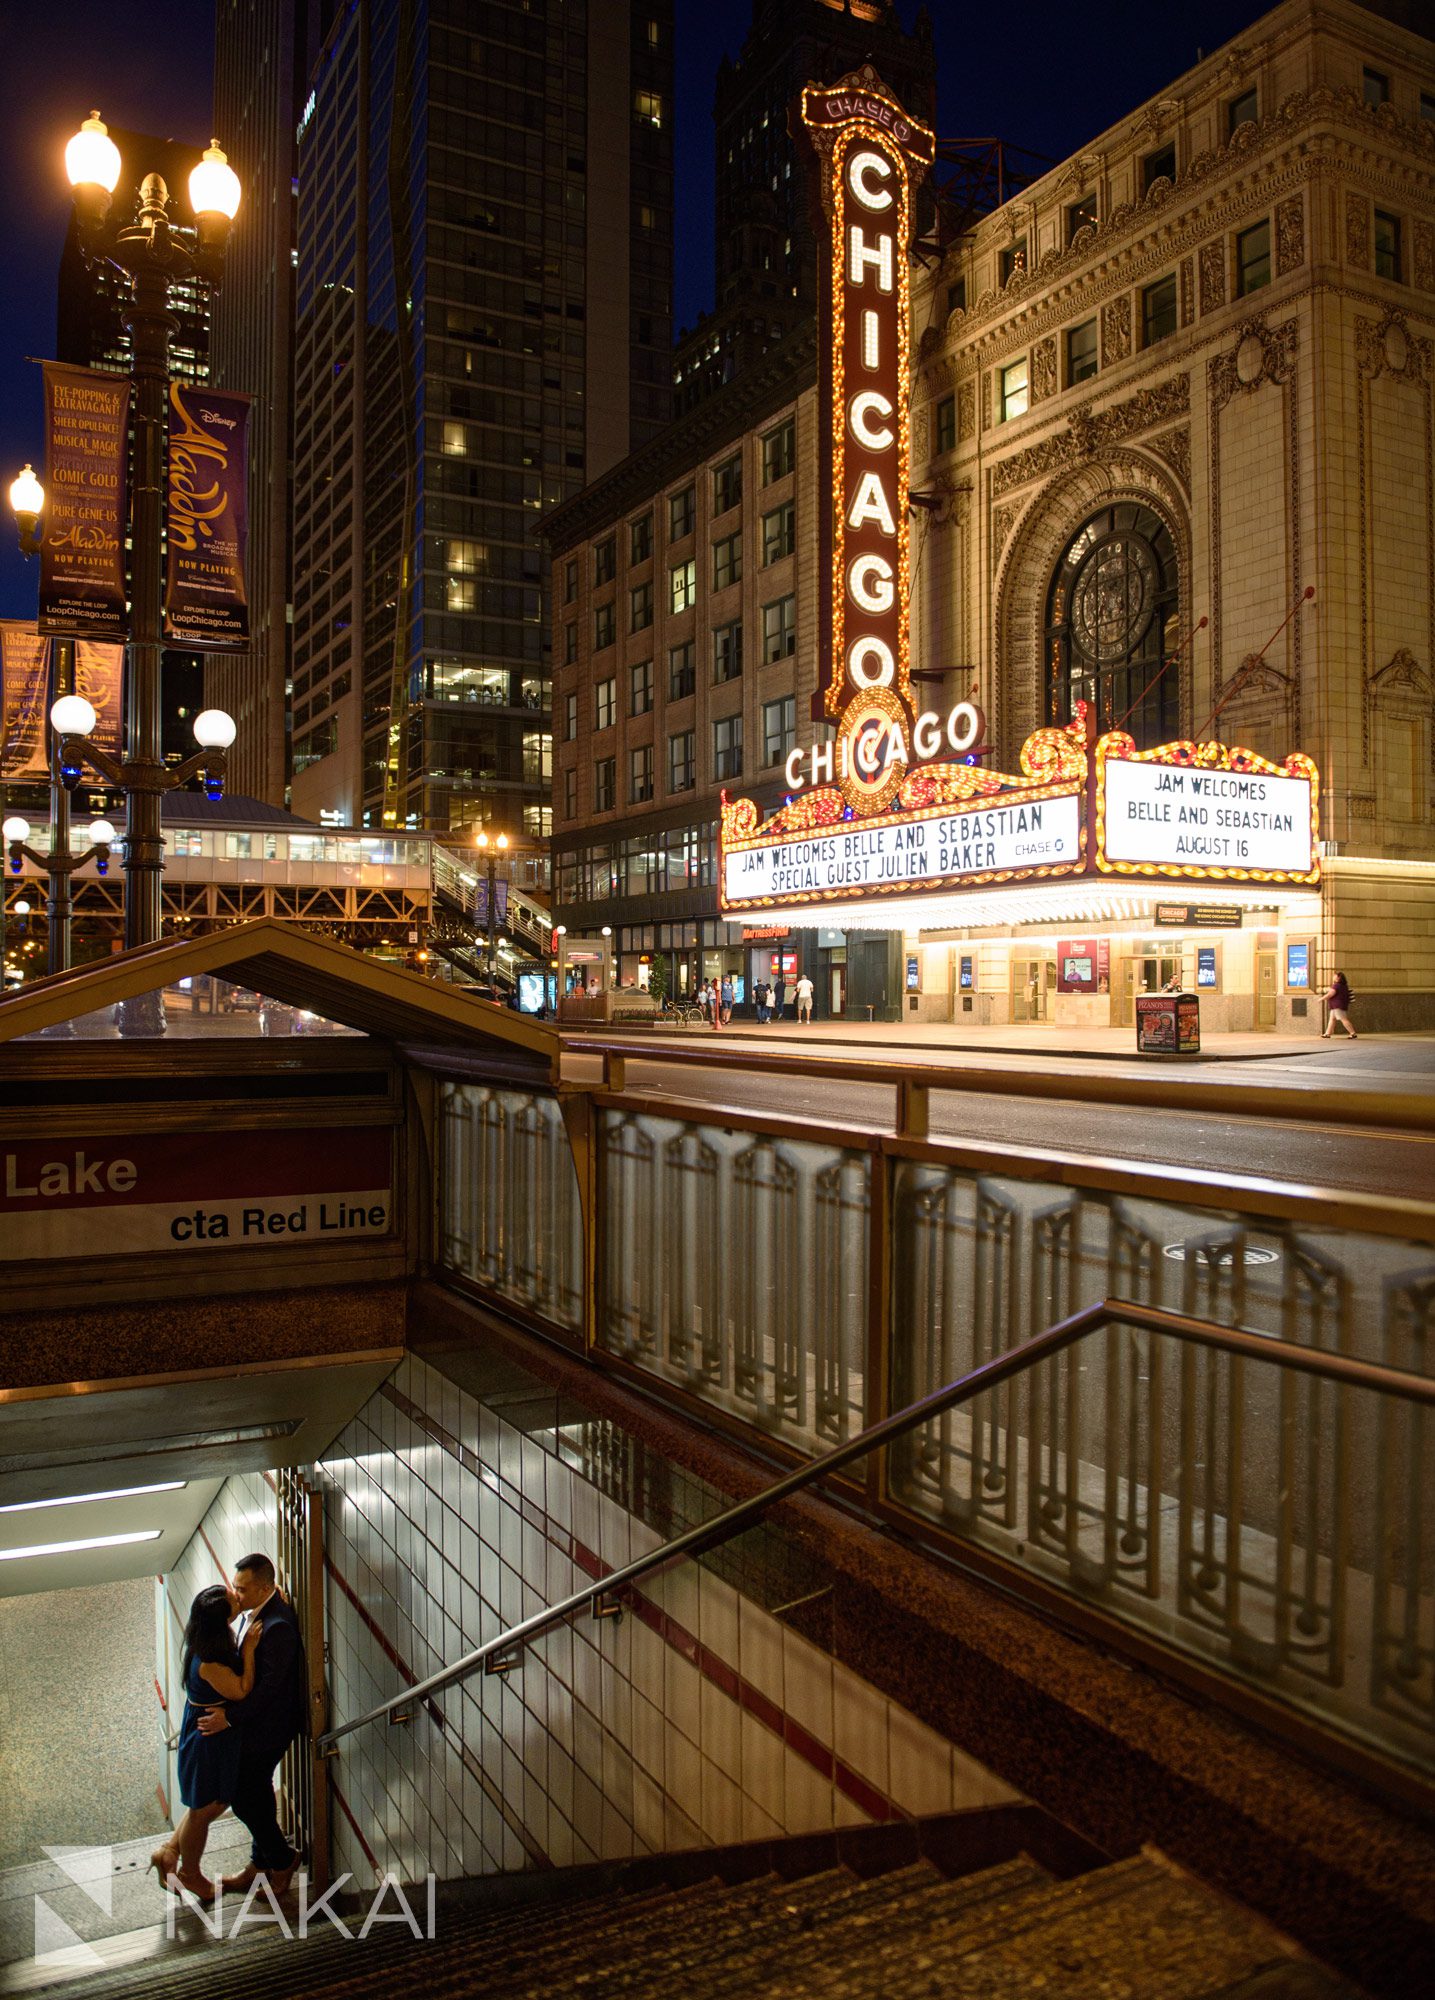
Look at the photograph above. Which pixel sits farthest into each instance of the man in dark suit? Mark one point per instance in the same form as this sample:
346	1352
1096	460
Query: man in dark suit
271	1717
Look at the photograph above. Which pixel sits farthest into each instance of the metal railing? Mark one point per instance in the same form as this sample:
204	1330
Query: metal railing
1226	1508
501	1653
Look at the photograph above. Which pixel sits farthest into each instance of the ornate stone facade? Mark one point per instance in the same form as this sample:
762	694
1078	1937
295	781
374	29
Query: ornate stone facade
1307	577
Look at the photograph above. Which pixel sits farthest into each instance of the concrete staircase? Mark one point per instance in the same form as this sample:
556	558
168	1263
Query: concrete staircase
1138	1929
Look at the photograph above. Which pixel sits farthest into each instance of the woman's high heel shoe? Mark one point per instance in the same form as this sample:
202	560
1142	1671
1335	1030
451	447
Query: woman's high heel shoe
198	1886
164	1861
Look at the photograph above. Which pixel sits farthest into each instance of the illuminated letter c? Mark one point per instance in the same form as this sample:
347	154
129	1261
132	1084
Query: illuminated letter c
863	168
870	402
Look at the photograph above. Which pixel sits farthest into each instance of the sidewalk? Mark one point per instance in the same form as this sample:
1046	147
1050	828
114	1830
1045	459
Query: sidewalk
947	1039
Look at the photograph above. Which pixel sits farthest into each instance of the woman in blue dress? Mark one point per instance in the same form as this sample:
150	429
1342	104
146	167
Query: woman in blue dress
215	1671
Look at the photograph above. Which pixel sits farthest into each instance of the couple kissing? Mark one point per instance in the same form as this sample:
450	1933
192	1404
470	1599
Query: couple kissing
245	1686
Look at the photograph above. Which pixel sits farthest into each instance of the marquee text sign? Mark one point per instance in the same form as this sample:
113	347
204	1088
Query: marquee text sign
872	156
1205	812
932	850
144	1192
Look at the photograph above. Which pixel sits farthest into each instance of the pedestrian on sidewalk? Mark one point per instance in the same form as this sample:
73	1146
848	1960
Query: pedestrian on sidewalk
725	998
760	996
779	996
804	1000
1338	1002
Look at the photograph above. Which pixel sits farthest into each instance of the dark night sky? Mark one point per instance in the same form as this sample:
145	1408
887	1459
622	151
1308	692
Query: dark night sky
1049	78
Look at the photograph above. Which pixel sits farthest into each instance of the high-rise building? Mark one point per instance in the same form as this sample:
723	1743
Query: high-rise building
483	322
263	51
765	251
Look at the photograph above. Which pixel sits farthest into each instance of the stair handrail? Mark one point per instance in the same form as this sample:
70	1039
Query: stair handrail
743	1514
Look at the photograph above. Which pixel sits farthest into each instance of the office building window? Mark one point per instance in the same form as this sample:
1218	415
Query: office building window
1241	111
946	426
680	761
570	580
640	607
777	533
727	651
727	747
1013	394
1010	261
603	627
681	510
1081	352
1253	259
777	453
1158	166
727	561
570	719
605	557
605	784
570	795
1387	245
640	539
640	774
682	673
605	704
683	585
1080	215
648	107
1375	88
570	644
779	728
727	484
1158	310
640	688
779	629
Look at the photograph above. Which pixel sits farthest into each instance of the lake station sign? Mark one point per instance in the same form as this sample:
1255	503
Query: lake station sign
893	802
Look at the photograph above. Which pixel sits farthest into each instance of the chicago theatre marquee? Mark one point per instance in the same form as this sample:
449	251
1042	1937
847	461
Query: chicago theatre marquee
1117	854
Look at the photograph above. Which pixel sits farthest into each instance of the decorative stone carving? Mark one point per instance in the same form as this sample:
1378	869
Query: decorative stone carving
1003	521
1388	346
1259	352
1175	447
966	410
1357	231
1213	275
1116	329
1290	235
921	431
1361	805
1402	673
1187	288
1043	369
1422	268
1090	433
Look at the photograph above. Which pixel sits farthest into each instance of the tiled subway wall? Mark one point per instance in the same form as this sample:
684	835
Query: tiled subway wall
698	1717
241	1519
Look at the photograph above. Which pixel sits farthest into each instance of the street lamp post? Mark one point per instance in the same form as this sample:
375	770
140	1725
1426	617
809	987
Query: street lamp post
59	865
152	258
490	849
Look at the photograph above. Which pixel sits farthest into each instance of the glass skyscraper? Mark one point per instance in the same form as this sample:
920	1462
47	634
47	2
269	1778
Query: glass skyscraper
483	324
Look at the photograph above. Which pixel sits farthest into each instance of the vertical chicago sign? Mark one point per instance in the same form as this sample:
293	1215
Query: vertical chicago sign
872	158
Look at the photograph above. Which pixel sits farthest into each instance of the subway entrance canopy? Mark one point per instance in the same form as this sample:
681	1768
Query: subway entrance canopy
207	1234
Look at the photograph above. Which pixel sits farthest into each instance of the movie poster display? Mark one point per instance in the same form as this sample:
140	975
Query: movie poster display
82	578
206	596
99	677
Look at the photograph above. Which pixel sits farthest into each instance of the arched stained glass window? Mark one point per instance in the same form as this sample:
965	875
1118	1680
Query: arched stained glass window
1111	626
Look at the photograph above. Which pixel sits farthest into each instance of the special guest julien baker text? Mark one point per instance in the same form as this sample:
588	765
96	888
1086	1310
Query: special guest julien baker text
902	852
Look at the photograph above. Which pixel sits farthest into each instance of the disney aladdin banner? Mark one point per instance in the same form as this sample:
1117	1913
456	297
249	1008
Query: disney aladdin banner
25	662
206	599
82	579
99	677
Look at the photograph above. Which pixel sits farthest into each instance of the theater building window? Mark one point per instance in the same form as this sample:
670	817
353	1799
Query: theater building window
779	629
683	584
778	453
1013	396
1158	311
1081	352
778	533
681	510
1111	619
682	672
1253	259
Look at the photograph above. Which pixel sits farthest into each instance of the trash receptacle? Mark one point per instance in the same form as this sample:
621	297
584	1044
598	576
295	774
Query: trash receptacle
1168	1024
